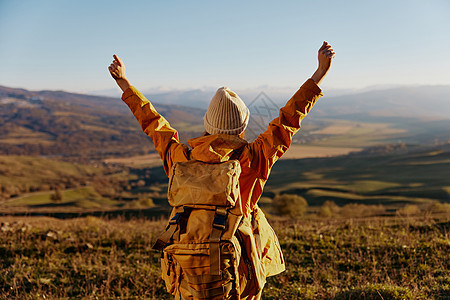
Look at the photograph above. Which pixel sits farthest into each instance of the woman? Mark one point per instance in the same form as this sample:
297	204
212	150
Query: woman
225	122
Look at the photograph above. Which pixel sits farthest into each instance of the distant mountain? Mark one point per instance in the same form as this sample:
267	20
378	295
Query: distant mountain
192	98
86	126
76	125
422	111
407	101
418	102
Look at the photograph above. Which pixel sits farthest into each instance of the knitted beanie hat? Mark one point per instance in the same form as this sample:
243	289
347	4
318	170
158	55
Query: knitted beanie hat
227	113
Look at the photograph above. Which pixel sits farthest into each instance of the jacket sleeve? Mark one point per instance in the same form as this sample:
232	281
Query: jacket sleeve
164	137
273	143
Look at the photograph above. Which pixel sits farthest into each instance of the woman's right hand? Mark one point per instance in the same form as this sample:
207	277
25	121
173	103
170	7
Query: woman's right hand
325	56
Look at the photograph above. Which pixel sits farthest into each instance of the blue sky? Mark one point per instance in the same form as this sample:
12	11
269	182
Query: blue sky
67	45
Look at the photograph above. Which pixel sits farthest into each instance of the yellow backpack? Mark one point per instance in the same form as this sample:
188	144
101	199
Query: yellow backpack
204	253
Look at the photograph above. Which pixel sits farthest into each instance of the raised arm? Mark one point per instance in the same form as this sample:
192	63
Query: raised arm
325	56
273	143
164	137
117	71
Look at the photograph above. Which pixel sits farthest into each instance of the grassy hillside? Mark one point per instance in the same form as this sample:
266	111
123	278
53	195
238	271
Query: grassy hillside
393	179
84	127
32	185
77	126
25	174
381	180
91	258
364	130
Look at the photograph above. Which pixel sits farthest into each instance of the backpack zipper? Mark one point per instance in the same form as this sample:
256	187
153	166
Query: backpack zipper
170	260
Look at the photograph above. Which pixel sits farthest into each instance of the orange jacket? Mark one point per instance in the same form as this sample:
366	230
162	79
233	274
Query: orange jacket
256	160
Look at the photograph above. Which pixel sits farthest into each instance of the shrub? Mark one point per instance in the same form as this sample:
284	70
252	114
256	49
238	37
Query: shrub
362	210
329	209
140	183
438	207
146	202
290	205
408	210
57	196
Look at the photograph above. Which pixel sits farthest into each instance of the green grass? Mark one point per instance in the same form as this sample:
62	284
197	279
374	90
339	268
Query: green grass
36	199
92	258
34	170
24	174
85	197
417	178
398	259
369	186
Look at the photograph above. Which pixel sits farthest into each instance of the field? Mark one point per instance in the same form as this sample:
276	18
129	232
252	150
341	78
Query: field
295	152
35	185
382	180
92	258
418	176
376	225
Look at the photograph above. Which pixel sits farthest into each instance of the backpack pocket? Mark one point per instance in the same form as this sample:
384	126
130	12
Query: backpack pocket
195	276
194	182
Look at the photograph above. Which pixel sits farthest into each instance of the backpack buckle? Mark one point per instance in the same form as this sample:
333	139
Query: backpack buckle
220	218
175	219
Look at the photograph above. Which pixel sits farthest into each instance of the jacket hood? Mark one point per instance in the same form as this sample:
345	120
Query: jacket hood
215	148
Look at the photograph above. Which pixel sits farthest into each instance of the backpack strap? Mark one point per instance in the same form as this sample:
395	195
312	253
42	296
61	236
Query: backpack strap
237	153
219	225
164	238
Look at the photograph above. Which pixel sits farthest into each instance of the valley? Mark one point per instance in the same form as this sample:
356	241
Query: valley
71	153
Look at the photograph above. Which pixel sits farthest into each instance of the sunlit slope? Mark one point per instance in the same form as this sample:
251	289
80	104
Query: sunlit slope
32	183
397	178
79	126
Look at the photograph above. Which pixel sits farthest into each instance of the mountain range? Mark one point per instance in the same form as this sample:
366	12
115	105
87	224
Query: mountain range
57	123
406	101
401	101
77	125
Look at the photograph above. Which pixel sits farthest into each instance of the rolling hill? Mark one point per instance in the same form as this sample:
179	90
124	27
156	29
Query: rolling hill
77	126
56	123
403	101
411	114
388	176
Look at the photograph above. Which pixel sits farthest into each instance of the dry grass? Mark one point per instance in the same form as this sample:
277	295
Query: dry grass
92	258
376	258
344	127
80	258
307	151
294	152
148	160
